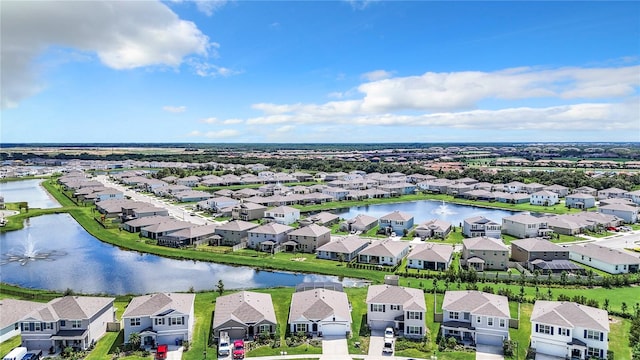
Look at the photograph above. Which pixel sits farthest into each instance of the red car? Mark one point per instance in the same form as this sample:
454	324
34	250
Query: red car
238	349
611	228
161	352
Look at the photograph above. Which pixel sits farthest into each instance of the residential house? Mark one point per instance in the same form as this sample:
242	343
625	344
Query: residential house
136	225
480	226
309	238
248	211
634	196
384	252
612	261
138	212
458	189
475	317
244	315
434	228
195	235
430	256
533	188
562	191
514	187
398	222
192	196
160	318
284	215
360	223
512	198
323	218
268	236
628	213
320	311
335	192
569	330
544	198
571	224
401	308
109	194
12	311
484	253
580	201
586	190
216	204
525	226
155	231
70	321
342	249
543	255
612	193
190	181
233	232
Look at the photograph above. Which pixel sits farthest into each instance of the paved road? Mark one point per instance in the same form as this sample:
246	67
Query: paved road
177	211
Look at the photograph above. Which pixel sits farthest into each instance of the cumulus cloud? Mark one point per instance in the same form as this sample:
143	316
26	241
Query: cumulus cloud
224	133
376	75
284	129
359	4
209	7
122	34
174	109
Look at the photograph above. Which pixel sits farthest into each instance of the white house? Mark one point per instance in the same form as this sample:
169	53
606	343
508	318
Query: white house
481	226
384	252
610	260
628	213
76	321
320	311
160	318
544	198
401	308
569	330
430	256
475	317
284	215
525	226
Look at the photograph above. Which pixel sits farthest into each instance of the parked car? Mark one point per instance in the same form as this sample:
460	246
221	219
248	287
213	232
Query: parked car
388	333
161	351
238	349
224	345
388	346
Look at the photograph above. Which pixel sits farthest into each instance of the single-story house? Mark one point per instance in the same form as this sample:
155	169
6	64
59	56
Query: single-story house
384	252
344	248
244	315
430	256
610	260
434	228
320	311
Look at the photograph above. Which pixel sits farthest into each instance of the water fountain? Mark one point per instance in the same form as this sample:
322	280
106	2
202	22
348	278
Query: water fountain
30	253
443	210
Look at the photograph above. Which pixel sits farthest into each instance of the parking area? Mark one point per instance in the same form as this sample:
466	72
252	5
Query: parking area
335	347
486	352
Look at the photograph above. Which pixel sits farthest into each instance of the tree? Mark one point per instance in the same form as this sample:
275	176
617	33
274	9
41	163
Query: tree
135	340
220	287
623	307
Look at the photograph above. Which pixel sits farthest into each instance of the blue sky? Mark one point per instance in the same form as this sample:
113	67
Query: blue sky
319	71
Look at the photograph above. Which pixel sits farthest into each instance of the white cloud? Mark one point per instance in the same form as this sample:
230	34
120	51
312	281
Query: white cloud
209	7
284	129
359	4
174	109
206	69
232	121
122	34
225	133
210	120
376	75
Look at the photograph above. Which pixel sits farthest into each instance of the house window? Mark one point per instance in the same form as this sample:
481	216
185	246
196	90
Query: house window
158	321
592	334
37	327
134	321
414	315
465	316
76	324
414	330
49	326
395	307
177	321
265	328
301	328
564	332
544	329
593	352
502	323
377	308
63	323
478	319
453	315
490	321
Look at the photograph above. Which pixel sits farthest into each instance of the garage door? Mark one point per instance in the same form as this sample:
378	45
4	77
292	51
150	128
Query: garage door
485	339
551	349
333	329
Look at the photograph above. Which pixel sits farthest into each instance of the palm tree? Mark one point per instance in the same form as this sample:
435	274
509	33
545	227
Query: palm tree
135	340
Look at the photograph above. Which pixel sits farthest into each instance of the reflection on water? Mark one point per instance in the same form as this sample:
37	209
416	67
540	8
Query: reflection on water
91	266
427	210
29	191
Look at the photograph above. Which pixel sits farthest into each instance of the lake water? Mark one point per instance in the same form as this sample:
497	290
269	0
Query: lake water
427	210
85	264
29	191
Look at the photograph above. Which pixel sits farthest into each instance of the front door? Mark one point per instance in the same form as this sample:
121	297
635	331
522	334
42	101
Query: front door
314	327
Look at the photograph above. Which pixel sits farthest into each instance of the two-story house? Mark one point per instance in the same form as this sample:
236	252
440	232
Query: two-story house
284	215
475	317
543	255
160	318
484	253
481	226
580	201
309	238
401	308
544	198
525	226
397	221
569	330
248	211
70	321
12	311
267	236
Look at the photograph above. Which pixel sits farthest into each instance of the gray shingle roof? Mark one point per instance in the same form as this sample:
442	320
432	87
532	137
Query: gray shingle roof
537	244
397	216
312	230
345	245
385	248
484	243
409	298
155	304
71	308
271	229
318	304
605	254
570	314
477	303
246	307
11	311
431	252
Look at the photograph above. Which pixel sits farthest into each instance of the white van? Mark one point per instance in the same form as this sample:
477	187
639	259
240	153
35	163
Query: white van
16	354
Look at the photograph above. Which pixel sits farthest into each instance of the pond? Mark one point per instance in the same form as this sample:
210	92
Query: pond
28	190
426	210
62	255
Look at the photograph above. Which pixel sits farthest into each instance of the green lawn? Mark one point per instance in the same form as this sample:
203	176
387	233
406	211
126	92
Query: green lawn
8	345
619	338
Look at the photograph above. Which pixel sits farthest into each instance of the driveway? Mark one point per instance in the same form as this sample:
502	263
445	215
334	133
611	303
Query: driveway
175	352
376	343
486	352
335	347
